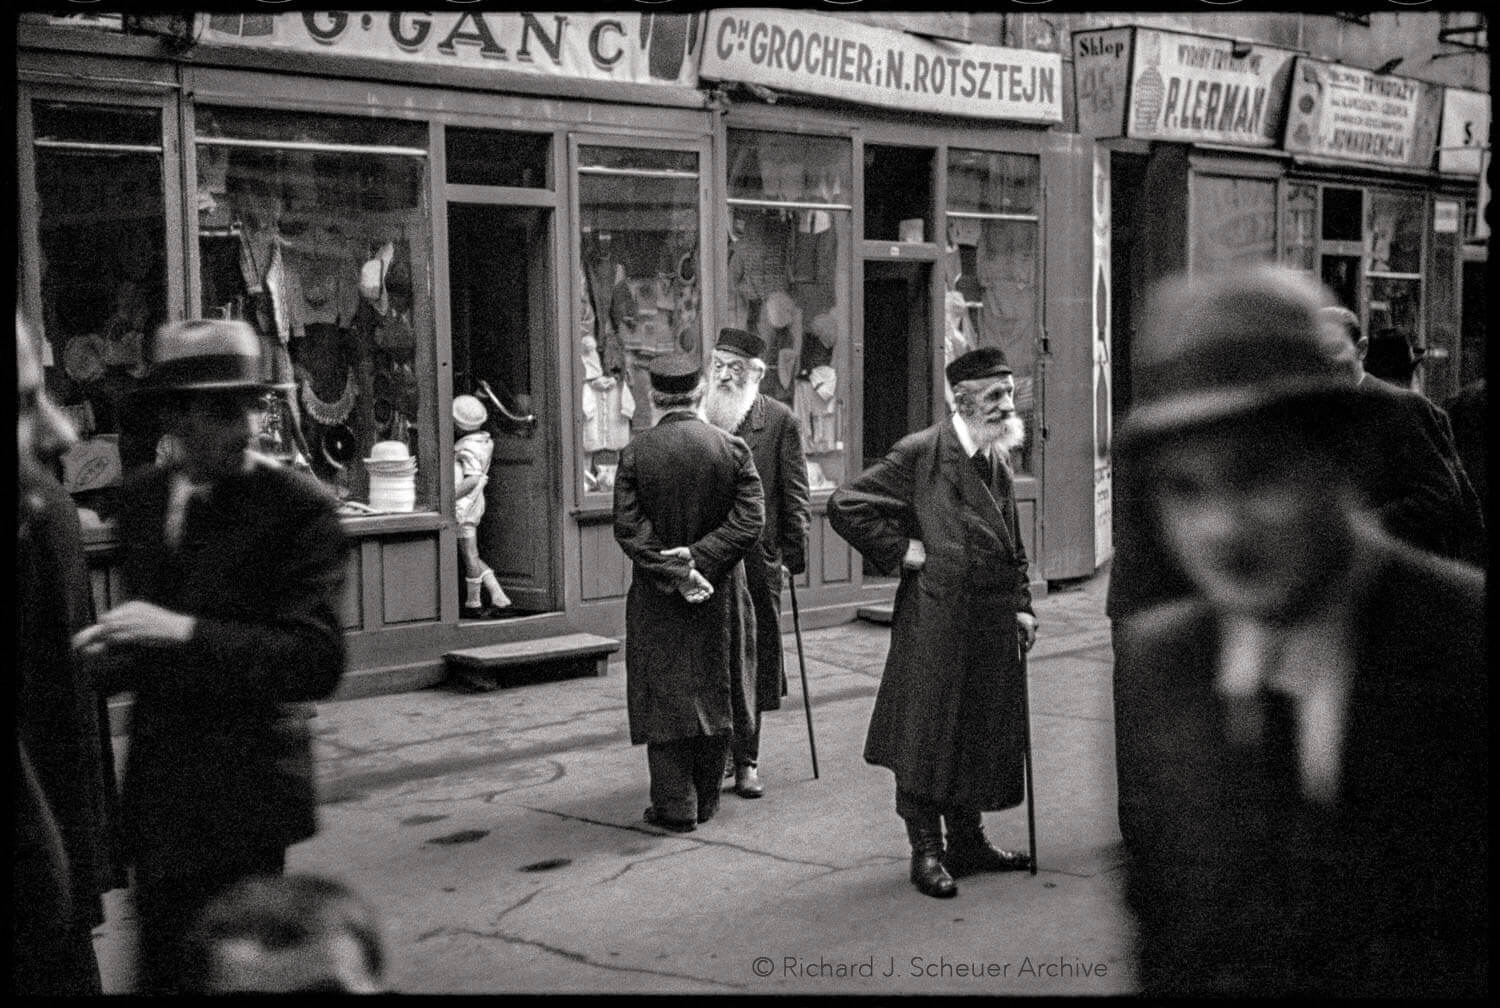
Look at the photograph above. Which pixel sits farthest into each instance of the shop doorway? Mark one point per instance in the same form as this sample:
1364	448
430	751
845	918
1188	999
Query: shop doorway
500	296
898	375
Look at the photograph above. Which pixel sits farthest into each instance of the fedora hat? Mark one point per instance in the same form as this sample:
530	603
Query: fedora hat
205	354
1224	346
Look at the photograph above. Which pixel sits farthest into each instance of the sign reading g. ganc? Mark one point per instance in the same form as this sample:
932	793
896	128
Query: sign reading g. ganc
844	59
624	47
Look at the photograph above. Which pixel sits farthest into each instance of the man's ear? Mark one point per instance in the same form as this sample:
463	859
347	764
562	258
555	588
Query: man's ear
1362	347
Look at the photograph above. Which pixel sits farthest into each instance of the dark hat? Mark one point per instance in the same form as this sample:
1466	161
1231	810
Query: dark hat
205	354
741	342
1223	346
982	362
675	373
1392	356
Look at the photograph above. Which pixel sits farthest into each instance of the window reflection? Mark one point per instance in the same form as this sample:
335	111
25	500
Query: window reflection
102	233
991	271
325	251
639	288
789	274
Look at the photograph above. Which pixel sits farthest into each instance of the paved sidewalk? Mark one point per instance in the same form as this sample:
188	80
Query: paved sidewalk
501	836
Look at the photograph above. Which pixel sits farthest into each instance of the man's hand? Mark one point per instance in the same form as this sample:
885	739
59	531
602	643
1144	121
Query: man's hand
696	588
1028	625
916	555
679	553
137	623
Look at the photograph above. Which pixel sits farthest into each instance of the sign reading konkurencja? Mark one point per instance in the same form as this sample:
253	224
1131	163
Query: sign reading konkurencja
839	58
626	47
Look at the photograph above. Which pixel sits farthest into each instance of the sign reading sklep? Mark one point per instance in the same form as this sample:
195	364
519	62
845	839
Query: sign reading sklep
836	58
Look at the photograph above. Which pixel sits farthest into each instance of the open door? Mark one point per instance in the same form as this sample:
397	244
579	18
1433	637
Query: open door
500	295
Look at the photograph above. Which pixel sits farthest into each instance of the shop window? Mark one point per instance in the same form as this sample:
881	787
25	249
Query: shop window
898	193
1393	263
1343	214
1300	250
315	230
639	288
102	234
498	158
991	271
1239	218
789	267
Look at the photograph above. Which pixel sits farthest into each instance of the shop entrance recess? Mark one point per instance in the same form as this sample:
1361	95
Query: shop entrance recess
501	292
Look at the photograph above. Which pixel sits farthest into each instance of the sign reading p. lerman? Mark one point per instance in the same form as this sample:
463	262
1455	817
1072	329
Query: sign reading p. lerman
838	58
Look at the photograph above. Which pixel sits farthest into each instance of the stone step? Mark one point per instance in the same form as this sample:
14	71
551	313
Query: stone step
584	653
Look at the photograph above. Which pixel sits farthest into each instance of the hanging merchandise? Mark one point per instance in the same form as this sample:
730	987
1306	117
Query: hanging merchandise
332	413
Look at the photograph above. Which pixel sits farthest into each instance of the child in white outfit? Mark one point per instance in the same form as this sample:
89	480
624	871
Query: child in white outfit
471	471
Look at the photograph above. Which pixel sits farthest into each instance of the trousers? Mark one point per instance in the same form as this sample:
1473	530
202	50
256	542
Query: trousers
686	775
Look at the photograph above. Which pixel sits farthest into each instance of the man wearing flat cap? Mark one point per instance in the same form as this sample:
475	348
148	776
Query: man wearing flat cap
234	566
940	510
1312	715
735	404
688	509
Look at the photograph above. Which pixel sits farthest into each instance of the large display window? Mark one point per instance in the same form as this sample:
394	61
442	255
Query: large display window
639	285
992	271
315	229
790	216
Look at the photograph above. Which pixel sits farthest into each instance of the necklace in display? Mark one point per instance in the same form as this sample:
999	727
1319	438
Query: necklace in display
332	413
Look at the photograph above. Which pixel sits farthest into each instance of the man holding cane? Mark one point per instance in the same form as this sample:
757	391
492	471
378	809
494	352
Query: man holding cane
949	719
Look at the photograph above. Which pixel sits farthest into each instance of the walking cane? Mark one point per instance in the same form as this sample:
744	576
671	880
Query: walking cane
802	663
1026	735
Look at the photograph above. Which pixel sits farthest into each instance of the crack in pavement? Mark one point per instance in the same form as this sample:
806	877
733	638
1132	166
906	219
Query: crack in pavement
681	836
639	861
579	957
488	730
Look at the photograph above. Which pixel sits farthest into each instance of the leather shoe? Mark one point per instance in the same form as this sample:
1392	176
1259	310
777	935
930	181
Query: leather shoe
929	876
971	858
747	782
655	818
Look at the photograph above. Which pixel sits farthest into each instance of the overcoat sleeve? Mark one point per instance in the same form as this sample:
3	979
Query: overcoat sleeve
717	552
874	513
293	652
635	533
1023	578
792	528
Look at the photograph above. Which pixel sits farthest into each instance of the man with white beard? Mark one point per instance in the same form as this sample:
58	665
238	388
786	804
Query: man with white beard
940	511
735	404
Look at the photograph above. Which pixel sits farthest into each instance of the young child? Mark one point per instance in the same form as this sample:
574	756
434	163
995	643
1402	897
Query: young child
471	467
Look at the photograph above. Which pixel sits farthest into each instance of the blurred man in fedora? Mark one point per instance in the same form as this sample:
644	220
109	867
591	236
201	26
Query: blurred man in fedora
234	568
940	510
688	509
735	404
1313	713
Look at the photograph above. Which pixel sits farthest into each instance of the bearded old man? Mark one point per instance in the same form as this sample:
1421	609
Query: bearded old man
687	510
940	510
735	404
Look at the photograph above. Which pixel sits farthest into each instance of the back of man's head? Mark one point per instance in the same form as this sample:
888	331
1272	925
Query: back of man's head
286	933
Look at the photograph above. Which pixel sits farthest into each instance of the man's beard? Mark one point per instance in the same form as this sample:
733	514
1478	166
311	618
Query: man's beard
726	408
1006	434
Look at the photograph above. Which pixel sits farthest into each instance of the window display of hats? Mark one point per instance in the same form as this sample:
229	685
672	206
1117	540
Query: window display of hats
393	477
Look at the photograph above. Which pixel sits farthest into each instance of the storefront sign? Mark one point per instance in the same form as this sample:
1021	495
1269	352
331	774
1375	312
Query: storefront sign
1465	131
1180	87
1356	115
1103	474
620	47
835	58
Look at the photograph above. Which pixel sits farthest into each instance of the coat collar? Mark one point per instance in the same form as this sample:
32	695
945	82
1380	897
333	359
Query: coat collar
956	468
756	418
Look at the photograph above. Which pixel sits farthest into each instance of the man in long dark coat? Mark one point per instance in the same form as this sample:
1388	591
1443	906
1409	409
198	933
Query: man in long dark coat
65	853
688	509
1313	720
736	404
940	509
235	566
